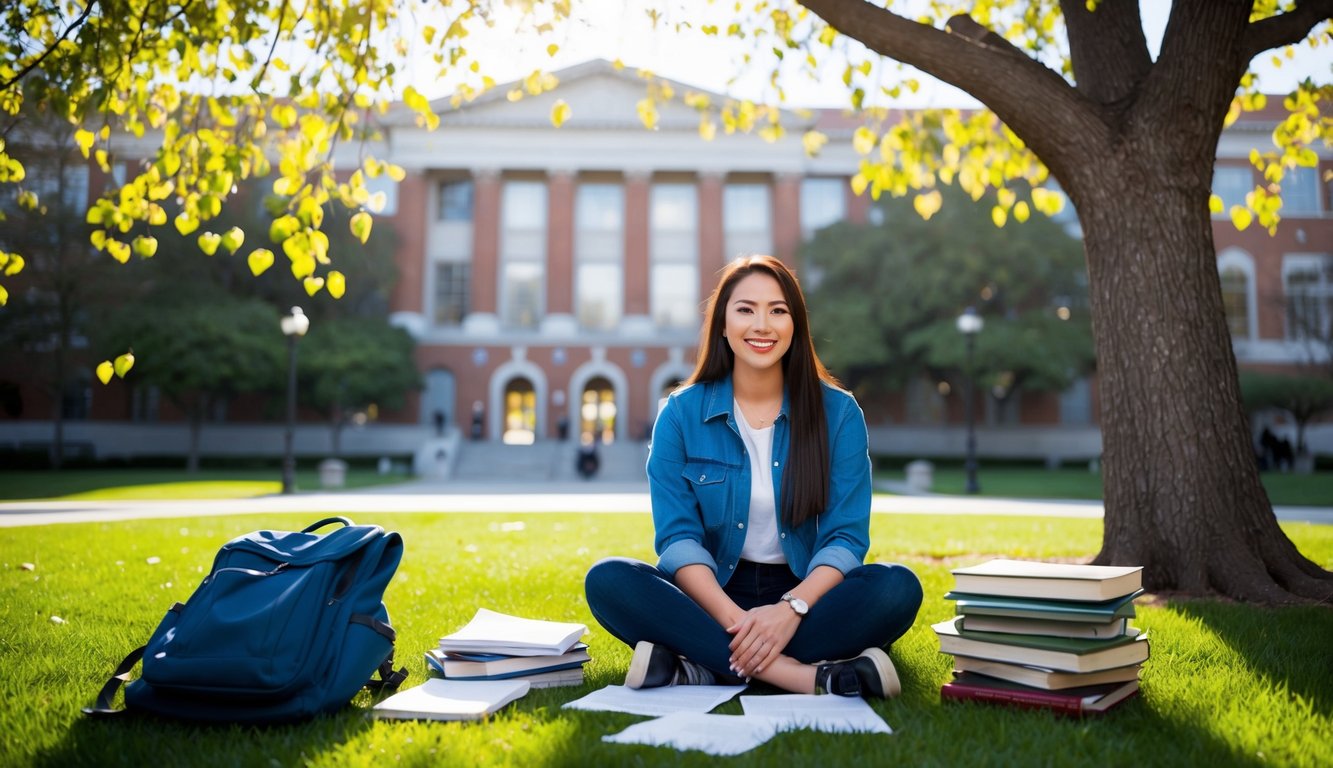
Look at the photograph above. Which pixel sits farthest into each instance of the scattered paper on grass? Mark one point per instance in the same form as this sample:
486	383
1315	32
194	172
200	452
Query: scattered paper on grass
830	714
713	734
154	560
57	620
656	701
27	566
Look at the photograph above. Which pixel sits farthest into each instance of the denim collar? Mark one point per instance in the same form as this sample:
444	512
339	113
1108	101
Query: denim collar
721	394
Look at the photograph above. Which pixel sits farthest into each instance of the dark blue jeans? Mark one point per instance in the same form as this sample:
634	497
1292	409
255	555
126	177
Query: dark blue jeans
873	606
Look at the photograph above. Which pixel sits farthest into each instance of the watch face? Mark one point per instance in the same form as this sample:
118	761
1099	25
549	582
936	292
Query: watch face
797	604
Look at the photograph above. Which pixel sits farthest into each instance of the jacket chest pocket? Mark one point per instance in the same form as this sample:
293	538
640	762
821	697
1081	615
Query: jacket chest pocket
709	483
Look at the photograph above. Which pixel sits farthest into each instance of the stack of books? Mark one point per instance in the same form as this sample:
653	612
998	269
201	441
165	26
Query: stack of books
1044	635
496	646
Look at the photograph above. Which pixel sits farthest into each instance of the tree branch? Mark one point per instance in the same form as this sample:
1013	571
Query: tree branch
1029	97
1286	28
1107	49
30	66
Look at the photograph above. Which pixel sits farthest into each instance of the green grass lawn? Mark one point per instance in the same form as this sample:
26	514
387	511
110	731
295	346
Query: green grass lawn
1312	490
168	484
1227	684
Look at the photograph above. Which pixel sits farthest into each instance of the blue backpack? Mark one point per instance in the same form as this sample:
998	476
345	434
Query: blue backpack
286	626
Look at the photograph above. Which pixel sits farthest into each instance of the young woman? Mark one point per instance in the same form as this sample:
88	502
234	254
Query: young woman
760	480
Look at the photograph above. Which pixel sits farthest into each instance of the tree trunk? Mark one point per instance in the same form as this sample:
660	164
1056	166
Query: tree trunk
1182	491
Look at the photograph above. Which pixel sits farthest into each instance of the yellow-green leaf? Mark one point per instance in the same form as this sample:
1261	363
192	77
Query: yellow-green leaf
928	204
864	140
1021	211
813	141
145	246
1215	204
559	113
999	216
337	284
360	225
105	370
313	284
98	239
1241	217
232	239
13	265
185	223
84	138
4	296
123	364
208	242
260	259
118	250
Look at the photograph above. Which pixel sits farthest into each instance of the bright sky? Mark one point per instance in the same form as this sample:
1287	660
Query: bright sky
620	29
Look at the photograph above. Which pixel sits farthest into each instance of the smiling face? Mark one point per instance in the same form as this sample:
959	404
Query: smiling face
759	323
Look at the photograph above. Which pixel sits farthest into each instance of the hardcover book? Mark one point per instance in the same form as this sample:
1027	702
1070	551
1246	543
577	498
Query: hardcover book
1053	610
1088	700
461	666
1053	581
1039	677
1077	629
1057	653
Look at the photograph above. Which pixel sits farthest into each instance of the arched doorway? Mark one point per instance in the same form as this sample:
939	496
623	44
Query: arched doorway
597	412
520	412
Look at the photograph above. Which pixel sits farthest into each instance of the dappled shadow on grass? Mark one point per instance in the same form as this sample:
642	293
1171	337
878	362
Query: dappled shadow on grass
132	740
1288	647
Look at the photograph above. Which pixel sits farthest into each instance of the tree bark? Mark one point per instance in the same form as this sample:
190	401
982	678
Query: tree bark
1134	144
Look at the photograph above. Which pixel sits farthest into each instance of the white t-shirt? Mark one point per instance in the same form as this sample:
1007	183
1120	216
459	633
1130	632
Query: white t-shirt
761	532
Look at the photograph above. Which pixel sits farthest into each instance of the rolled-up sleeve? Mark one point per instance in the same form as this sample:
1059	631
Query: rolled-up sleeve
676	517
844	528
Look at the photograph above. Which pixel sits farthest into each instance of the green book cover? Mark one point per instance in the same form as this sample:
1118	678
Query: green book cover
1036	608
1075	645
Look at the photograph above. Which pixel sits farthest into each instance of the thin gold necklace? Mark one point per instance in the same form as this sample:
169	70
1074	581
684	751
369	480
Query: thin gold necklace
762	421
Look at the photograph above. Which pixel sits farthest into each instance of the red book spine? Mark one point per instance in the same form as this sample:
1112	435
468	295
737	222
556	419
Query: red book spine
1029	699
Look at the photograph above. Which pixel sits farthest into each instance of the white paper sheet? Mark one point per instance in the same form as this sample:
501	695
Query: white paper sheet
714	734
656	701
493	632
831	714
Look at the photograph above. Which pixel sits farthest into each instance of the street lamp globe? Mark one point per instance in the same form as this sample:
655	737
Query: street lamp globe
296	323
970	323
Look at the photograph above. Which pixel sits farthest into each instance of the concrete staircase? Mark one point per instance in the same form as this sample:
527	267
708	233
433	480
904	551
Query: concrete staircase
546	461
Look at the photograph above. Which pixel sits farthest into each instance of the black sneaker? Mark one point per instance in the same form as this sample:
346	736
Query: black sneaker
653	666
869	675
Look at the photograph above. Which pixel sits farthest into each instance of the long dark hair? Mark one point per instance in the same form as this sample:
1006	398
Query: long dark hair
805	482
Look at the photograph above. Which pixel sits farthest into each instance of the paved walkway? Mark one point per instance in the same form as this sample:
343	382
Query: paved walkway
594	496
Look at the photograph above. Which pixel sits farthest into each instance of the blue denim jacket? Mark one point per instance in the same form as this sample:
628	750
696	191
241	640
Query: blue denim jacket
699	476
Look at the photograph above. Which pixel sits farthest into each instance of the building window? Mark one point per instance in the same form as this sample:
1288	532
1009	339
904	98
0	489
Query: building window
599	242
454	201
523	253
520	417
673	283
145	403
1300	192
1232	185
747	219
453	291
1307	281
1076	403
823	202
1236	300
597	412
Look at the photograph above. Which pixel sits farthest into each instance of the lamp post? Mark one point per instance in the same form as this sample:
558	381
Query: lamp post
970	324
294	326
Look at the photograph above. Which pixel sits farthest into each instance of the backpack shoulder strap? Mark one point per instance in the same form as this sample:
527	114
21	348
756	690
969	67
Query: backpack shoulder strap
103	706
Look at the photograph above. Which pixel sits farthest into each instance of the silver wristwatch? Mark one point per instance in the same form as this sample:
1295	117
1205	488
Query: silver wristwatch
796	603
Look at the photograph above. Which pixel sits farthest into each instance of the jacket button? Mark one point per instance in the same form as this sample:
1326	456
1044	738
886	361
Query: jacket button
732	566
703	478
775	463
782	536
740	525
